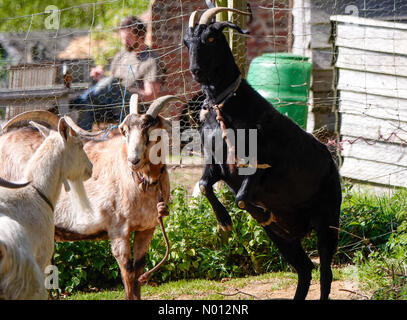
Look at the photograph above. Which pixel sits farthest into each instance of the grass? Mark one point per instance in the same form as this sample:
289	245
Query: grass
209	290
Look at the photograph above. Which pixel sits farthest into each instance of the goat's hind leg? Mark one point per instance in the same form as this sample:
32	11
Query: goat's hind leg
120	246
327	234
141	242
295	255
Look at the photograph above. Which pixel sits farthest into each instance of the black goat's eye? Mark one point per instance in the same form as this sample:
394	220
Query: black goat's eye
211	39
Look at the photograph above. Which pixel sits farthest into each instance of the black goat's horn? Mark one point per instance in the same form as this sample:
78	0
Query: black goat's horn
38	115
159	103
208	14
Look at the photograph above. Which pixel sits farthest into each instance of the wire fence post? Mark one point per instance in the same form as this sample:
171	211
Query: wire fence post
237	41
223	16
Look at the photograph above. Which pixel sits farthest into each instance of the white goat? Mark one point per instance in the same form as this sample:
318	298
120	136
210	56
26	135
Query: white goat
59	157
124	190
20	276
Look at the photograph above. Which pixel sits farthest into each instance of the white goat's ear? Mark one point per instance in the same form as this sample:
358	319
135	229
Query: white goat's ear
42	129
65	130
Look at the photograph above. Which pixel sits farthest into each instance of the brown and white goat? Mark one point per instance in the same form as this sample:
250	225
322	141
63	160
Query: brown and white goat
123	191
26	252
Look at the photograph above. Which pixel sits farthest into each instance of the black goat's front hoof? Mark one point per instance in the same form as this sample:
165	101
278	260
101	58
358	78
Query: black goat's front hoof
225	228
224	233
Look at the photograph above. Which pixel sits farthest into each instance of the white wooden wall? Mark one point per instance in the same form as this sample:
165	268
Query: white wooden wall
371	68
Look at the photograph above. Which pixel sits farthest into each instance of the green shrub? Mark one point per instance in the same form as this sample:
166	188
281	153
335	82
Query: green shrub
384	270
199	250
368	219
84	264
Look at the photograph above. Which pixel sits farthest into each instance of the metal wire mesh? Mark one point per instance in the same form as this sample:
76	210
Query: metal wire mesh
356	102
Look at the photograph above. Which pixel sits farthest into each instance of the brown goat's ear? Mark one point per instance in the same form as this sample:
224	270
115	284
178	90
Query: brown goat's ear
165	124
124	126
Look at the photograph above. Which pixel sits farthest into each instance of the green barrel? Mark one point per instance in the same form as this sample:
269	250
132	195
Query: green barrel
284	80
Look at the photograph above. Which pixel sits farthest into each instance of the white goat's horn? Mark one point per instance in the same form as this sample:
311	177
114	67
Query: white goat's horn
11	185
38	115
192	19
78	129
159	103
208	14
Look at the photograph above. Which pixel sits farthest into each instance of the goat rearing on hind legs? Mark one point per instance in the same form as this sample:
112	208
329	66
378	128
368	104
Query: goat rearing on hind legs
296	187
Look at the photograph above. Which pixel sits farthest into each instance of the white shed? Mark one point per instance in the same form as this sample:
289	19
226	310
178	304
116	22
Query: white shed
371	84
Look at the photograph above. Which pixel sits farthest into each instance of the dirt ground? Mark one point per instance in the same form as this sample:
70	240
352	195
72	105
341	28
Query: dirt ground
266	290
186	177
340	290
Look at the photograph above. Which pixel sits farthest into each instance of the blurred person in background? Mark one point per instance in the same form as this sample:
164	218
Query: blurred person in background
135	69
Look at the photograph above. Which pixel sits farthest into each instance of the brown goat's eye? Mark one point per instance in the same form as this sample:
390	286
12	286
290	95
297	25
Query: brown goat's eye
211	39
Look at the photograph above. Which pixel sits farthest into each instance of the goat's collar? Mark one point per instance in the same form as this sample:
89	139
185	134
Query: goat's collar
44	197
229	91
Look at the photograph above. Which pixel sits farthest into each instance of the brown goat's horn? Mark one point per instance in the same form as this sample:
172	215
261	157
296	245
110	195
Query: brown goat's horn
38	115
208	14
78	129
11	185
192	19
159	103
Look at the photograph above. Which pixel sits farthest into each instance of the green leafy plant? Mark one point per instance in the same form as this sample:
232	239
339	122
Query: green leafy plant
372	234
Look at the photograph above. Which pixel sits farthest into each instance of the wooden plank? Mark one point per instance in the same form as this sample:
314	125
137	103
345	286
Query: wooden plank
372	83
322	80
370	61
375	172
371	38
322	58
350	19
391	153
373	129
324	100
301	27
373	106
321	34
318	15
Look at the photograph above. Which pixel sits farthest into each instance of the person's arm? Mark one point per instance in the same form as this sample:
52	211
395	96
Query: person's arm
150	91
150	75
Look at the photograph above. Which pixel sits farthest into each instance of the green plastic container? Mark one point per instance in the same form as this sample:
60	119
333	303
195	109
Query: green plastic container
284	80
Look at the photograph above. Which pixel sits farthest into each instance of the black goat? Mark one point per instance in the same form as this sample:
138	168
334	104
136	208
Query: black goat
296	187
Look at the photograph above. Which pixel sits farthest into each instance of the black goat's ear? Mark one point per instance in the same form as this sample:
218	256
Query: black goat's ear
226	24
